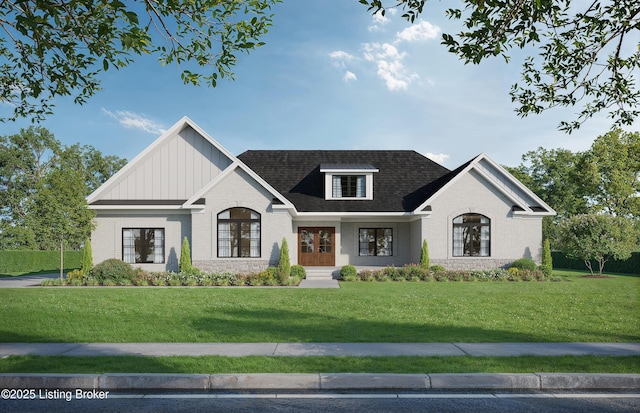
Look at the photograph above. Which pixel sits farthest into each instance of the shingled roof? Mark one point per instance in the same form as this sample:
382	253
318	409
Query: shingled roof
405	178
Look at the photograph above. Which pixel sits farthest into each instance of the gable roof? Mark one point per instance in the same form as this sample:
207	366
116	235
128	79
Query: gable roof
525	202
399	184
148	180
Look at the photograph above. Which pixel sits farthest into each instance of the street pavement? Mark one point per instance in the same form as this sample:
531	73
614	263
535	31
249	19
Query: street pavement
25	281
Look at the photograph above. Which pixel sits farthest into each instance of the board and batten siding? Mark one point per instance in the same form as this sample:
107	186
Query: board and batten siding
176	169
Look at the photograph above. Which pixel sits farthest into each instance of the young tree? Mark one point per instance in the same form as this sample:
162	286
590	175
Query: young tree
87	257
598	237
424	255
185	256
284	264
580	51
547	260
60	48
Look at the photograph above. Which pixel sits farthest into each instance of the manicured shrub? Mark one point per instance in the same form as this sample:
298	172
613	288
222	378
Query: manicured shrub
424	255
266	277
87	257
34	261
297	274
185	256
524	264
74	276
547	261
284	265
348	273
112	270
437	268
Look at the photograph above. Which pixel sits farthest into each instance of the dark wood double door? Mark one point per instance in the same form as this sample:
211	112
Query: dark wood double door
316	246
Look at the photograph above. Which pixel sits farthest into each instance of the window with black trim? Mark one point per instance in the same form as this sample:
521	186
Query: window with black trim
376	242
471	236
143	245
238	233
349	186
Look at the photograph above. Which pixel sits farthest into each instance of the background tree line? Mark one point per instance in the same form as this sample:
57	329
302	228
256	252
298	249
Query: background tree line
43	185
596	194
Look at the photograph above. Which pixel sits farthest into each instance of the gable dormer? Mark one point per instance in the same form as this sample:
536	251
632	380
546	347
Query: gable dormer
348	181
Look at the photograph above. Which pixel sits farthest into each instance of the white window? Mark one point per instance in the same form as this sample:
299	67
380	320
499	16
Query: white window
349	186
350	182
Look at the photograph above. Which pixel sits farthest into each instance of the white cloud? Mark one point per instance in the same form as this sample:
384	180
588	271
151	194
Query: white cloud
378	51
437	157
349	76
422	30
340	58
132	120
378	21
340	55
388	60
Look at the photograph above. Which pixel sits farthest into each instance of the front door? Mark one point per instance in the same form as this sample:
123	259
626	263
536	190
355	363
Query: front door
316	246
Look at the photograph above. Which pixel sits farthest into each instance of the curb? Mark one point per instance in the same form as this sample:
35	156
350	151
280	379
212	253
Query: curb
324	381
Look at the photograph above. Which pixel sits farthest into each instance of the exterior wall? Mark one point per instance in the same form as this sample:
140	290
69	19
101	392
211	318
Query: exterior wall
106	239
238	189
176	169
512	236
350	248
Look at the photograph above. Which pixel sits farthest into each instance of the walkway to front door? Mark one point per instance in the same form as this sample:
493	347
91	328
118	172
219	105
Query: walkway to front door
316	246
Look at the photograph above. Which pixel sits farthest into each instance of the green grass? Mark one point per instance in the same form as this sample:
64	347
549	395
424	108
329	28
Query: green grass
580	309
324	364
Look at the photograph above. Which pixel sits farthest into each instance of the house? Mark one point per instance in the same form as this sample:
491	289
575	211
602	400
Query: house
366	208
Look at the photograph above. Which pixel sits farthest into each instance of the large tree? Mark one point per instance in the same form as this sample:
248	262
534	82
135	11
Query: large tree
43	185
555	175
59	48
581	51
598	237
604	179
612	173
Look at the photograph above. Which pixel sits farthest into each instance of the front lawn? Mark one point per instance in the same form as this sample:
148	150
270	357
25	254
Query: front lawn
579	309
321	364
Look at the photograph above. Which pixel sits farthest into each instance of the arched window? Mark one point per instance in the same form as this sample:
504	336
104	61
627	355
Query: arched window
471	236
238	233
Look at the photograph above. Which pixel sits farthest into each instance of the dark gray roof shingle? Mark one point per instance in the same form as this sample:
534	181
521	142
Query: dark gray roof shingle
404	181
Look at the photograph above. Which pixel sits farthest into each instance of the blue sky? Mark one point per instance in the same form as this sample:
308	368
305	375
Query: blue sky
331	76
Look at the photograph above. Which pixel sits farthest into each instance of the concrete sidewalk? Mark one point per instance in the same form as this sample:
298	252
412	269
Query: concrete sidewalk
320	349
534	382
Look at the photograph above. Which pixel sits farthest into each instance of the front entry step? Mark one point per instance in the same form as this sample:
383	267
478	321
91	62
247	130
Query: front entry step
322	273
321	277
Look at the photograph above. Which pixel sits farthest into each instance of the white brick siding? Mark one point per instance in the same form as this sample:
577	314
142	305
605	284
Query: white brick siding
106	239
512	236
238	189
